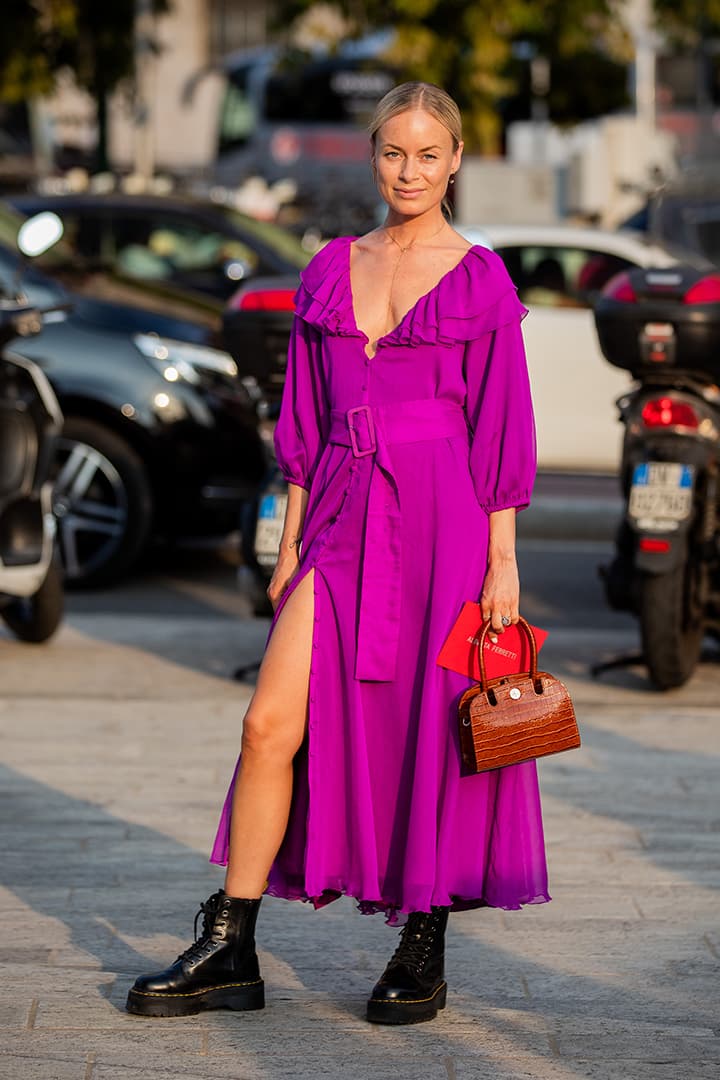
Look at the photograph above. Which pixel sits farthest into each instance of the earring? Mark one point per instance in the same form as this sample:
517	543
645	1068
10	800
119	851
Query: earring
452	178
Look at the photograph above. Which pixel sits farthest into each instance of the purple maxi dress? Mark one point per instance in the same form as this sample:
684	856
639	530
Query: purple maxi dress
404	455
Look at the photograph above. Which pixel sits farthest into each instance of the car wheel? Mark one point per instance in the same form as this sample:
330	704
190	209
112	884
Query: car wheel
36	618
102	501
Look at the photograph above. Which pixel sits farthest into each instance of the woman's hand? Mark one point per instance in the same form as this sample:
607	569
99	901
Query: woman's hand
288	560
501	592
285	570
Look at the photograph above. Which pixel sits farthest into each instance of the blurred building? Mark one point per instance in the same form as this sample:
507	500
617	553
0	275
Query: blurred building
183	107
237	24
598	169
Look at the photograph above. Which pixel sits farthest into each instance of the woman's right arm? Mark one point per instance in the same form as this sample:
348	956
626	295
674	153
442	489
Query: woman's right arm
289	554
300	435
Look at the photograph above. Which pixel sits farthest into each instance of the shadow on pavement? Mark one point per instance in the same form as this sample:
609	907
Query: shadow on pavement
126	895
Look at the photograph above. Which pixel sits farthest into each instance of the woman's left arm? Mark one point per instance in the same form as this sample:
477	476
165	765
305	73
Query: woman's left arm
501	589
502	453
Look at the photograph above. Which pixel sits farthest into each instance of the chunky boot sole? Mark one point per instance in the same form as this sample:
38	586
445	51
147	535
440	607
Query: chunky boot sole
239	996
383	1011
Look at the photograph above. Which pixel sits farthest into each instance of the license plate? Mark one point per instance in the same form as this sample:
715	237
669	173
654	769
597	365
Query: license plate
655	331
657	343
661	495
268	532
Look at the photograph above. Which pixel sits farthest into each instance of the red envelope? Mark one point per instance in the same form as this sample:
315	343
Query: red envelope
510	653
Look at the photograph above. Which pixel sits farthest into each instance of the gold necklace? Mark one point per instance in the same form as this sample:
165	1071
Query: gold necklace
412	242
388	313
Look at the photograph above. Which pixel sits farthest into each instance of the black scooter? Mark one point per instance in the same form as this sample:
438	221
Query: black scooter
664	327
31	593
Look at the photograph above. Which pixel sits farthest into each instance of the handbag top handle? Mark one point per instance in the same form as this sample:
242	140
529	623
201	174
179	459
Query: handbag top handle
525	626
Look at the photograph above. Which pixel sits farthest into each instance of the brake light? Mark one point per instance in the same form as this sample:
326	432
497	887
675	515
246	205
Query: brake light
264	300
647	543
620	288
666	412
704	291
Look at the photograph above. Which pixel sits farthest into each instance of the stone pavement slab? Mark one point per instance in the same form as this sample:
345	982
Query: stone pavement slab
118	741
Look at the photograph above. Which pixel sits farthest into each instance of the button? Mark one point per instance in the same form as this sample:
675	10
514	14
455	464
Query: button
363	387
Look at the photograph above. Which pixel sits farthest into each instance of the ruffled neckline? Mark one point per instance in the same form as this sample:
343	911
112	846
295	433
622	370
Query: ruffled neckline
471	298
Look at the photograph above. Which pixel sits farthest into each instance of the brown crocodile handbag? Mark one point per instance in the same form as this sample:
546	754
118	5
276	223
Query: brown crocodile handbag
515	718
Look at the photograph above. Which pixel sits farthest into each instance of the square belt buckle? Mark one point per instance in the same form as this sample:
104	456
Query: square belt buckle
363	410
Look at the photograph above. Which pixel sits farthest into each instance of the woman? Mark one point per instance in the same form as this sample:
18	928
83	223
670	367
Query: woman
406	436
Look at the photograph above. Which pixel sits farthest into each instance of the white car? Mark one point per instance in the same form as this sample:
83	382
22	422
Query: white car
559	270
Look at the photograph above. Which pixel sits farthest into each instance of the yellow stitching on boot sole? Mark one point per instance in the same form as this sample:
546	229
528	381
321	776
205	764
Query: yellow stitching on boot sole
404	1001
194	993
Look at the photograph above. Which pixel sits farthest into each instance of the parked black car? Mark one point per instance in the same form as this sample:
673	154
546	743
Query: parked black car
160	435
256	326
197	244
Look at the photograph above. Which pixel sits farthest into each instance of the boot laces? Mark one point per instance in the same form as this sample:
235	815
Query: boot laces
203	944
416	940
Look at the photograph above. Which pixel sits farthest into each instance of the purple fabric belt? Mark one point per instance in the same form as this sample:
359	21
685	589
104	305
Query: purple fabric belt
370	430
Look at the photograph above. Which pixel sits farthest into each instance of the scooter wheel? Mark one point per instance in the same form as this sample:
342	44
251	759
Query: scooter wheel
36	618
671	636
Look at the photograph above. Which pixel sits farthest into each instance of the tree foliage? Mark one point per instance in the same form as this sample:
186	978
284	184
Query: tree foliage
92	38
688	21
467	46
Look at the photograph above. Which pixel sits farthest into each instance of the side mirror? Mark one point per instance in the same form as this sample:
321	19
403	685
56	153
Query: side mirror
39	233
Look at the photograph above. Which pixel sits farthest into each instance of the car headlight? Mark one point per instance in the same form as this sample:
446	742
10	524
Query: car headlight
176	360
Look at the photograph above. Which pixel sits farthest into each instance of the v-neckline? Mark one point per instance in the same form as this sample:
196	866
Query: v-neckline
424	296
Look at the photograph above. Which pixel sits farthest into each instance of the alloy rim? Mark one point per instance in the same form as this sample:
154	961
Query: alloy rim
91	506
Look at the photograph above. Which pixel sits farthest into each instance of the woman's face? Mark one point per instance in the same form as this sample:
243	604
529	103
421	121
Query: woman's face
413	161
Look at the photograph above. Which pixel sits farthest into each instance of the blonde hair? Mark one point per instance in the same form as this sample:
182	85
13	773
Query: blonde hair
418	95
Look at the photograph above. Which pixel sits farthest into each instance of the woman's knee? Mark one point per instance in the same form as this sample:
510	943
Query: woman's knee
267	733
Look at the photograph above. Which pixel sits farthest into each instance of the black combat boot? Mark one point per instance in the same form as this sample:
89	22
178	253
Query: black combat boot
412	987
220	971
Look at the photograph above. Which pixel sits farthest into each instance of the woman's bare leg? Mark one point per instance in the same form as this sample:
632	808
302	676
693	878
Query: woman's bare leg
273	731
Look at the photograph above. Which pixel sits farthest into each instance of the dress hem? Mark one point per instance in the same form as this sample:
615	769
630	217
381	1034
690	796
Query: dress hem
395	911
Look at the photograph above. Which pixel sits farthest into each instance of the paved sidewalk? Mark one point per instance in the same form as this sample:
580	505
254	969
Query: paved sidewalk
117	744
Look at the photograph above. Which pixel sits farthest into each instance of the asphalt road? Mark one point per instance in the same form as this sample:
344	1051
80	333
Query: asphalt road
561	591
559	579
564	536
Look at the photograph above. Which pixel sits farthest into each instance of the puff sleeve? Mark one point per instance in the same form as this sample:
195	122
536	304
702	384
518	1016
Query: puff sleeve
499	411
301	429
